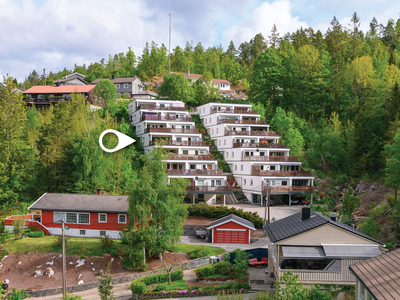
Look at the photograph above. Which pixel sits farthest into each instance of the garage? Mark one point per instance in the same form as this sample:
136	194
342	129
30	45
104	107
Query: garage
231	229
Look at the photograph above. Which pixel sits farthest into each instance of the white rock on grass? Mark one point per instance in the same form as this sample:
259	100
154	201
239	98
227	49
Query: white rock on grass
20	262
93	269
71	263
80	282
50	263
112	259
80	262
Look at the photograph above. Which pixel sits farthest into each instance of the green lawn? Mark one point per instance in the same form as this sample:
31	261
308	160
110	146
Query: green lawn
186	248
83	246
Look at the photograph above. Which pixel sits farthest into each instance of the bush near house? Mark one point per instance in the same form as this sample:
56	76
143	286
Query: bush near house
222	211
223	269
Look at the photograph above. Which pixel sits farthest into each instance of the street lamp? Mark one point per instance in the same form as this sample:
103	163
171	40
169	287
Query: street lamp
267	205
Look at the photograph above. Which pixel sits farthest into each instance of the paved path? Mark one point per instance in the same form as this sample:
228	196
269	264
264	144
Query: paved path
261	243
277	212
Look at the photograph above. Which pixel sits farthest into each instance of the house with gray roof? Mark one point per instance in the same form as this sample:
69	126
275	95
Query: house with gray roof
317	248
131	86
85	215
378	278
71	79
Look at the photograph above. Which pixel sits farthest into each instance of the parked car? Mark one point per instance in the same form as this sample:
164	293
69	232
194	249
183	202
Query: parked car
294	202
271	202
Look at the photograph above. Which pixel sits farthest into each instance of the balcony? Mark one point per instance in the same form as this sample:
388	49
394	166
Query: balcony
171	130
177	143
252	132
206	188
255	170
269	158
236	110
194	172
258	145
160	107
165	118
238	121
289	189
189	157
45	101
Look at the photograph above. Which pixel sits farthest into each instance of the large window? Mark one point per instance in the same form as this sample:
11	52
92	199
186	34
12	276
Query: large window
71	218
102	218
122	219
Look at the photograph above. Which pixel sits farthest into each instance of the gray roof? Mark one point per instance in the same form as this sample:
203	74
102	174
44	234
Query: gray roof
117	80
293	225
380	275
232	218
82	202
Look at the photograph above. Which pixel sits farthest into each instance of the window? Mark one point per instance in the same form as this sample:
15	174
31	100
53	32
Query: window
219	142
71	218
117	86
362	291
235	167
102	233
102	218
210	120
284	183
212	131
233	154
251	182
185	152
82	232
224	141
217	130
125	85
272	168
218	182
241	167
245	181
192	167
122	219
83	218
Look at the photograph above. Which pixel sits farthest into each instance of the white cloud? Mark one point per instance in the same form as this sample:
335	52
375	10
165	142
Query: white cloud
263	19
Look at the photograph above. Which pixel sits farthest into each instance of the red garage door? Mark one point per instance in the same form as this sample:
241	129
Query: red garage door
238	237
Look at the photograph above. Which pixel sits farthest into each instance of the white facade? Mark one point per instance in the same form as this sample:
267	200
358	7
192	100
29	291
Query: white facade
254	153
167	123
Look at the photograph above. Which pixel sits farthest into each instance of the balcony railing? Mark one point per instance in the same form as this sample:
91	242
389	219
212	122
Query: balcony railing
189	157
160	107
269	158
206	188
194	172
258	145
236	110
252	132
240	121
255	170
45	101
288	189
165	118
171	130
178	143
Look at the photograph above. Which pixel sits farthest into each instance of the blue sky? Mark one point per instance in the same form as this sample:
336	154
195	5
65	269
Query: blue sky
51	34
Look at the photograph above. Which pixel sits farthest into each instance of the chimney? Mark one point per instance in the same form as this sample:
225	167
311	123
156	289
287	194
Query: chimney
188	72
113	76
98	192
333	218
305	213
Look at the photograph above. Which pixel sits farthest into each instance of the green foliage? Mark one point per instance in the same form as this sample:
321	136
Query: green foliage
349	205
34	234
138	286
106	92
200	251
70	296
105	285
393	163
241	264
204	272
223	268
292	289
160	288
17	295
156	210
222	211
106	241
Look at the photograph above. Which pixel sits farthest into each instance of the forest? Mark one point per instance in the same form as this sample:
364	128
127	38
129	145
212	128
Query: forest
334	98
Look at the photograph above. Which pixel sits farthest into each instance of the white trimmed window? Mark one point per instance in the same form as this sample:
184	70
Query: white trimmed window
224	141
235	167
244	181
125	85
122	218
251	181
241	167
71	218
102	218
117	86
82	232
102	233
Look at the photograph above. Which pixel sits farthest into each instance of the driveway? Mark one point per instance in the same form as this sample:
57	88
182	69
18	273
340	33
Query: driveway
277	212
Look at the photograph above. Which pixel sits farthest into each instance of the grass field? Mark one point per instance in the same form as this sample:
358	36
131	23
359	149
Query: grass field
83	246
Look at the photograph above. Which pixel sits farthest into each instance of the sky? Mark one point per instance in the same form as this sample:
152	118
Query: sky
56	34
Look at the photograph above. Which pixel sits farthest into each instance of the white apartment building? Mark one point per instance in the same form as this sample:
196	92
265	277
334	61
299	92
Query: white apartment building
256	158
167	123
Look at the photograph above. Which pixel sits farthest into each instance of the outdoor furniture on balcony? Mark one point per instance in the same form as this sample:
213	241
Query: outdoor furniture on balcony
269	158
289	189
252	132
161	107
189	157
165	118
194	172
171	130
253	261
258	145
240	121
236	110
256	170
177	143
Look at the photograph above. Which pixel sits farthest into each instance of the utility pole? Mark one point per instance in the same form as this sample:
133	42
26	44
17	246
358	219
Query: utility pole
44	76
169	45
64	261
267	206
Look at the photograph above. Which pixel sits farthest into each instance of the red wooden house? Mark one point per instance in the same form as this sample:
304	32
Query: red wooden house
231	229
85	215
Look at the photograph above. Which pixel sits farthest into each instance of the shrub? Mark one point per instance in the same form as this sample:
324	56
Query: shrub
34	234
176	275
69	296
225	286
239	286
138	286
114	252
207	288
223	268
199	252
203	272
106	242
160	288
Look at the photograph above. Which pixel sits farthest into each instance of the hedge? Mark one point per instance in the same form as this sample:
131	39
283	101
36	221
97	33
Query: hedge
138	286
204	272
222	211
222	268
